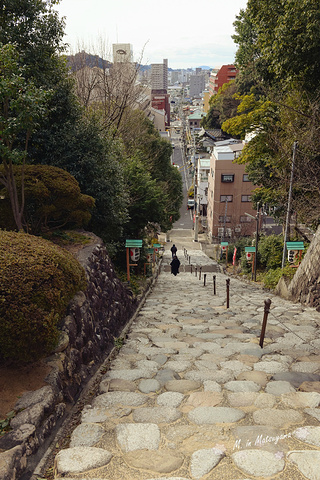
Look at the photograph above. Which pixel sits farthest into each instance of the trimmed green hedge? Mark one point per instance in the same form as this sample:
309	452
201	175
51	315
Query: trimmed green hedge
53	200
37	281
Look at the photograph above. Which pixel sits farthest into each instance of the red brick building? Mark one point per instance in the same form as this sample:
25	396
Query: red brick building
160	100
224	75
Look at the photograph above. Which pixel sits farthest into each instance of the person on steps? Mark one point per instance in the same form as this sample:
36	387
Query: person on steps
175	264
173	250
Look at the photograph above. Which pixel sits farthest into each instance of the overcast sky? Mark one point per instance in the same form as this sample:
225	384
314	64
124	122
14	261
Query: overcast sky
188	33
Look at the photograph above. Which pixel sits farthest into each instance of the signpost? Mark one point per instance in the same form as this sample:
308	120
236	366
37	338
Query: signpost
150	259
131	247
250	254
294	249
224	250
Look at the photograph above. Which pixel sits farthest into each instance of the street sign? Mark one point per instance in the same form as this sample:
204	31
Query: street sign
133	253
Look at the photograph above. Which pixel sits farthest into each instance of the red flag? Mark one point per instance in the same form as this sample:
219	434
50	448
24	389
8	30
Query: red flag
234	256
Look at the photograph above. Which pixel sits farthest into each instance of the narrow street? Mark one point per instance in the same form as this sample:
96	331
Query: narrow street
191	395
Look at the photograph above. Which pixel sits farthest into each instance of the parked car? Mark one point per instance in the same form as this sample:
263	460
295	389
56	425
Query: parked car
190	204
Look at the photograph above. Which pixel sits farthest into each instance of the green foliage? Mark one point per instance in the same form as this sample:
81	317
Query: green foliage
5	423
270	249
21	106
38	279
52	200
223	106
271	277
278	56
146	198
37	32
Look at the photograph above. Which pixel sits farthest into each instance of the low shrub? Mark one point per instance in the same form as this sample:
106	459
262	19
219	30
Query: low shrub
53	200
38	279
271	278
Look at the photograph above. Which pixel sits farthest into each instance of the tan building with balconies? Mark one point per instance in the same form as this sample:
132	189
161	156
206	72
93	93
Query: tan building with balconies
229	194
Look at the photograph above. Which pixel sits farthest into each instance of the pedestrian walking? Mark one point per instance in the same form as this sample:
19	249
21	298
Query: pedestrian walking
173	250
175	264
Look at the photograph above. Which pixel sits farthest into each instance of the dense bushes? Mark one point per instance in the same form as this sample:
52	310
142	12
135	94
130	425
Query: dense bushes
38	279
52	200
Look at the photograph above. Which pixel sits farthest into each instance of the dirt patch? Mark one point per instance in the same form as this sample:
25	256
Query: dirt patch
14	381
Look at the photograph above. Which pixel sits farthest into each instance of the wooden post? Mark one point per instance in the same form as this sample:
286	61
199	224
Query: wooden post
128	266
267	304
228	291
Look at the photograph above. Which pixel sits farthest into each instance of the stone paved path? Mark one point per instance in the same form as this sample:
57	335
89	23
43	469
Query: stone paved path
191	395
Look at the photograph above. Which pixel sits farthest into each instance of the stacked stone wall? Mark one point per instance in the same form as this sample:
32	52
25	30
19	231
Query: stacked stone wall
93	319
305	285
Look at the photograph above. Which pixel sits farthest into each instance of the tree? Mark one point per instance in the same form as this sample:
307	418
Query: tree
35	29
223	105
22	104
279	43
279	92
142	139
111	89
146	198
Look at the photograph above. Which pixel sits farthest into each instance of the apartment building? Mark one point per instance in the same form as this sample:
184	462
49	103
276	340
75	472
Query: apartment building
159	75
218	78
197	85
229	194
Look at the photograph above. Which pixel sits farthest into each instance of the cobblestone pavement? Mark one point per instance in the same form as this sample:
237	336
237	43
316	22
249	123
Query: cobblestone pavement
191	395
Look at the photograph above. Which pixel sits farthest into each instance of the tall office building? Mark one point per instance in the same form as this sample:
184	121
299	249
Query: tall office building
159	87
159	76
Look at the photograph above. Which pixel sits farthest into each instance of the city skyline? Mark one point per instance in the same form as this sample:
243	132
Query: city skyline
188	34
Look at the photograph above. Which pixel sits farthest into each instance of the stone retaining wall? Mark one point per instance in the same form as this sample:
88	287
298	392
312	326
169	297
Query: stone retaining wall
93	319
305	285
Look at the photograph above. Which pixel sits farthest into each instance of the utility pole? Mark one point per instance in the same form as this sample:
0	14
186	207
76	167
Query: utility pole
287	227
225	219
196	203
257	240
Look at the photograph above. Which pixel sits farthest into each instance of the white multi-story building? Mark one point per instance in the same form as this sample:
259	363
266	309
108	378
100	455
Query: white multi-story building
122	52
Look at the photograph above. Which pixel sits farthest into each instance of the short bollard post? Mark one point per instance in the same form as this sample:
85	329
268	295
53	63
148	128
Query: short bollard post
191	269
204	279
189	259
200	270
228	291
267	304
214	284
196	270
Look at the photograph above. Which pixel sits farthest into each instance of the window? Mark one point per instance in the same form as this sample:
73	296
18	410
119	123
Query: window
245	177
245	198
226	198
227	178
245	219
221	219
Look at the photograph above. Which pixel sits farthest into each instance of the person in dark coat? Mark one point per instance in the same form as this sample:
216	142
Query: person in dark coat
175	264
173	250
